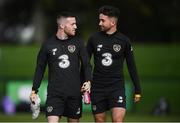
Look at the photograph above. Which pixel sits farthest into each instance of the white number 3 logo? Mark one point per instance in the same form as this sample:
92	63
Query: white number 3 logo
107	60
64	63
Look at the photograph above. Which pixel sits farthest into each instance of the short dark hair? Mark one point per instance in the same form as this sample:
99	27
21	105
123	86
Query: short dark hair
65	14
109	11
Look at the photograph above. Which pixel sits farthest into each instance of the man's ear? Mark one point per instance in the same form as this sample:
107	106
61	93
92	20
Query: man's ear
61	26
61	23
113	22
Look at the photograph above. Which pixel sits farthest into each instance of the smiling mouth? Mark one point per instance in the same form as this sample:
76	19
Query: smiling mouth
101	27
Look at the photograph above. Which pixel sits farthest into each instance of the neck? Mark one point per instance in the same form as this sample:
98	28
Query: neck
61	35
112	30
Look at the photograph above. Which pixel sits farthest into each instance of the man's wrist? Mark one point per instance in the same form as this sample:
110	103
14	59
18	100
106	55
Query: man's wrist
33	92
137	95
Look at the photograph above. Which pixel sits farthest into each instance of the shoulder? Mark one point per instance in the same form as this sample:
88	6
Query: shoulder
46	43
123	37
49	40
76	39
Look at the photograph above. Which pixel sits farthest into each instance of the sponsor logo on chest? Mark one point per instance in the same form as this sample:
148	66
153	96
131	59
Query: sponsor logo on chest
99	47
54	51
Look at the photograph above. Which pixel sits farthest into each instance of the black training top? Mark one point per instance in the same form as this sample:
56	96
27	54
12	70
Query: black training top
109	52
64	58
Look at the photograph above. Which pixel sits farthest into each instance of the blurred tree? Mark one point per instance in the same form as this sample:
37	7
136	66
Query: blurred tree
15	19
141	20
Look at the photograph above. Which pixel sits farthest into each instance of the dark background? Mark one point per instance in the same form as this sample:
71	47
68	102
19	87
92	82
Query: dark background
141	20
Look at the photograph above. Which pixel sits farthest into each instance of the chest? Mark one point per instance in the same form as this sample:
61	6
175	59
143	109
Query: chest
56	50
114	47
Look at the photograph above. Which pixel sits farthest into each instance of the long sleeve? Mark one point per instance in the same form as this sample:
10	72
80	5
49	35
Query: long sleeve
85	65
132	68
89	48
40	68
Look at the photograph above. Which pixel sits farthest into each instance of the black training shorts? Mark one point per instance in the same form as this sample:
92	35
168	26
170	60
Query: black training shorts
105	99
70	107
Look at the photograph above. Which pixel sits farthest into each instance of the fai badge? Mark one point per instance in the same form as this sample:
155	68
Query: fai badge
49	109
71	48
116	47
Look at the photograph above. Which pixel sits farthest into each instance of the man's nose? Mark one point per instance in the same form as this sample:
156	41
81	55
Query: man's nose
75	26
100	23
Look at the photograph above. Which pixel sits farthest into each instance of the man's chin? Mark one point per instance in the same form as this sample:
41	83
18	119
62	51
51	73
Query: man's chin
72	34
103	30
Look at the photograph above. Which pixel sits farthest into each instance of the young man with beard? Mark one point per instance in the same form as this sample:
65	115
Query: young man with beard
110	48
63	53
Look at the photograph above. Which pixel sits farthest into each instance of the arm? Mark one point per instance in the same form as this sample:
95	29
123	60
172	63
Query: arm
132	70
40	68
39	72
89	48
85	68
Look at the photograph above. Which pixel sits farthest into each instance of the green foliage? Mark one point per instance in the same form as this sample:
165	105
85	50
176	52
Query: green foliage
151	60
155	88
17	61
160	60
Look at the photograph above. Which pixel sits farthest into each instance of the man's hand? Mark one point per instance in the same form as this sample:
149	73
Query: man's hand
33	96
86	87
35	104
137	97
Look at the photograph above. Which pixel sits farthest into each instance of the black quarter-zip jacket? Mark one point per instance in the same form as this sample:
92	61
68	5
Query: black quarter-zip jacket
64	58
109	52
